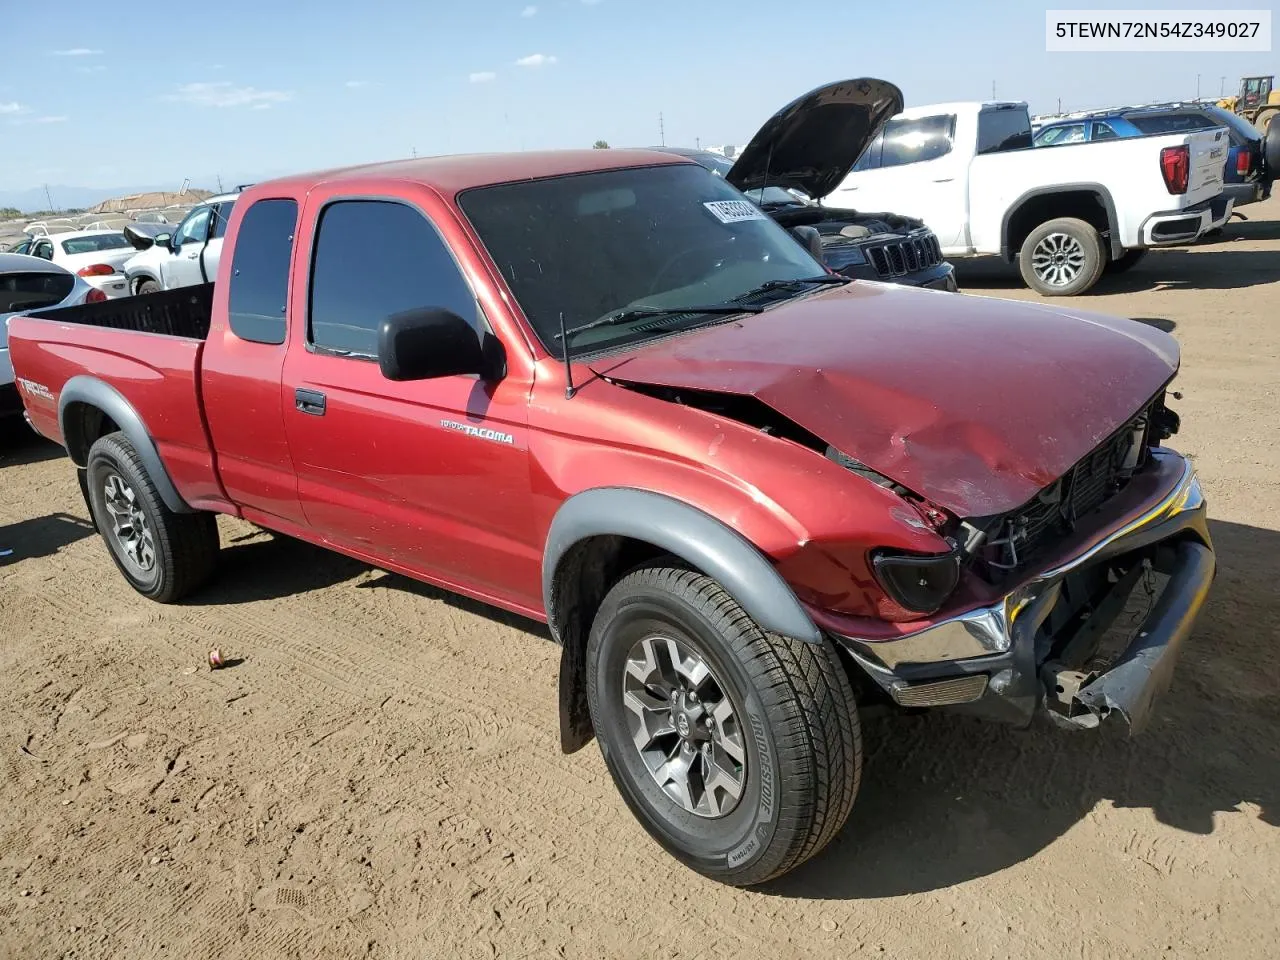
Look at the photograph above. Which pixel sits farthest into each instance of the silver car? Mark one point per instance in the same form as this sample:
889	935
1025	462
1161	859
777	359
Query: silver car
26	284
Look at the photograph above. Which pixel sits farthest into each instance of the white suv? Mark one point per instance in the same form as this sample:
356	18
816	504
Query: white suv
187	256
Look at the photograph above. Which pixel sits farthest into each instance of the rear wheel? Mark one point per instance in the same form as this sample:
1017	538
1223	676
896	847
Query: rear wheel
1062	258
1126	261
164	555
738	751
147	286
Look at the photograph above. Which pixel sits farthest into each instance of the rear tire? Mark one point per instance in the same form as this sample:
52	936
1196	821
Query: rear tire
1062	258
145	287
1263	120
164	555
748	772
1126	261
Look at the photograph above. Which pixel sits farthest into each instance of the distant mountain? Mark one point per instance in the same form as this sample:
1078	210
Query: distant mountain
65	197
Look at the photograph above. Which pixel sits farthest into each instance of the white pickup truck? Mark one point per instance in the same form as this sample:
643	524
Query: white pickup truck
1064	213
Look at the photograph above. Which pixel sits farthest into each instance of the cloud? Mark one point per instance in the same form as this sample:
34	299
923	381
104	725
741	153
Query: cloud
483	76
11	108
76	52
536	60
50	120
261	106
529	11
227	94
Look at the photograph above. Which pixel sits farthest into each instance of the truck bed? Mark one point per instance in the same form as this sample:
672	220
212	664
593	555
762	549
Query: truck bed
184	312
146	351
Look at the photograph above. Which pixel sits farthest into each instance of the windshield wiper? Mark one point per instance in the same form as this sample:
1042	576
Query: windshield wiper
822	279
639	313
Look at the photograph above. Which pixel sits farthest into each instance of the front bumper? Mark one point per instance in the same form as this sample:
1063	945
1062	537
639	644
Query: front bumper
1010	659
1187	225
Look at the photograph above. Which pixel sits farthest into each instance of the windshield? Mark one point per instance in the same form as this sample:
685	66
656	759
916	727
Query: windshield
591	244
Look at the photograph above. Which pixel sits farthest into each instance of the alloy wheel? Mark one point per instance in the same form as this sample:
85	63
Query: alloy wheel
684	725
129	530
1058	259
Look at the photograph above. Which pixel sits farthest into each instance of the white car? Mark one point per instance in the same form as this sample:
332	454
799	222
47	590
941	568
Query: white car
96	255
1064	214
187	256
30	283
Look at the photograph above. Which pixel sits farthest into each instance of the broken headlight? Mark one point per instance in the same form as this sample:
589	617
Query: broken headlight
917	582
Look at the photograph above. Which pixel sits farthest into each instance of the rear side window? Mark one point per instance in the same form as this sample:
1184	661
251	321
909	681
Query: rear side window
914	141
375	258
259	289
1104	131
31	291
1172	122
1008	129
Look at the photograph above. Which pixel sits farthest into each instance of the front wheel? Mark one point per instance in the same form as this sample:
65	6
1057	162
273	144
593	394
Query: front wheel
164	555
1062	258
738	751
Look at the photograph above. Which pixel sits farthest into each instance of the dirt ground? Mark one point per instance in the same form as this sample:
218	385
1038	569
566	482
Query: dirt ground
379	774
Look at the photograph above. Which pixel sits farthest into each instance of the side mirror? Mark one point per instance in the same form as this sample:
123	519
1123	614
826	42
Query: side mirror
165	240
428	343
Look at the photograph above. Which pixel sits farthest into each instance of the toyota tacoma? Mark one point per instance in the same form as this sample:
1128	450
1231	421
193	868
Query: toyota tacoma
602	389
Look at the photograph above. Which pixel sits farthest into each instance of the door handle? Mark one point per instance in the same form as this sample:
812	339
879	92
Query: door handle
309	401
193	254
944	179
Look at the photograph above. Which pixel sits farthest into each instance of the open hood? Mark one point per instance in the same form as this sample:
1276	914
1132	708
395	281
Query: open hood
143	235
811	144
976	404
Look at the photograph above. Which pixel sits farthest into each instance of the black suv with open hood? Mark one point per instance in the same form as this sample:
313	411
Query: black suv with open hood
802	154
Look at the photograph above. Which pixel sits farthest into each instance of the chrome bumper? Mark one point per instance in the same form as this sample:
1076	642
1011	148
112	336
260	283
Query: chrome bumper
995	646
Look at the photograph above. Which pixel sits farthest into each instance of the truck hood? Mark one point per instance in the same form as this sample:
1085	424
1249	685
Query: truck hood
813	142
974	403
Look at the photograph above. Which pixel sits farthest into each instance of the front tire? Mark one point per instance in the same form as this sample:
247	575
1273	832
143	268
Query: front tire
1062	258
738	751
164	555
146	287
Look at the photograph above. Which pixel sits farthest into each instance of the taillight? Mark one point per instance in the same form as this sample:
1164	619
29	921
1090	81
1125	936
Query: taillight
96	270
95	296
1243	162
1175	165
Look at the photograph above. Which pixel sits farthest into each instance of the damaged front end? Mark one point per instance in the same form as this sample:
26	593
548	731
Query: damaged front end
1091	635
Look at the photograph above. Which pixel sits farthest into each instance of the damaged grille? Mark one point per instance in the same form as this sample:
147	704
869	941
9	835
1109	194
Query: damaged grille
898	258
1017	538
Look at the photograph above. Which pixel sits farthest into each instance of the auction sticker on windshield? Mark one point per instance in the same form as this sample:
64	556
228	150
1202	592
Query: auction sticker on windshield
734	211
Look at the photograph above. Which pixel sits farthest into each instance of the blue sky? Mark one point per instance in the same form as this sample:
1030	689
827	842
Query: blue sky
132	96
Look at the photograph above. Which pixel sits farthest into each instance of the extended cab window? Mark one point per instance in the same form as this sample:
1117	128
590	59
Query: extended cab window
375	258
1103	131
1067	133
914	141
259	290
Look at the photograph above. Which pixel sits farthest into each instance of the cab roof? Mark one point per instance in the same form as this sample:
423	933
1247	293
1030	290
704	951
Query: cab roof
450	175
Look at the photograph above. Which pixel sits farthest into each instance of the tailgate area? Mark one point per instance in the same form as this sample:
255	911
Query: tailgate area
1208	156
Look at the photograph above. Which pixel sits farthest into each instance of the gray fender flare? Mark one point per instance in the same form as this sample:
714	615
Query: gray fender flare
696	537
94	392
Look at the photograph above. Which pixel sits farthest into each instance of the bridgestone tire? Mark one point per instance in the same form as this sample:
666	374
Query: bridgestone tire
185	545
799	727
1127	261
1090	242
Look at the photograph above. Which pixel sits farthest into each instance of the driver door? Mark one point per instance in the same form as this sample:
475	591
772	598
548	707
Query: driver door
183	268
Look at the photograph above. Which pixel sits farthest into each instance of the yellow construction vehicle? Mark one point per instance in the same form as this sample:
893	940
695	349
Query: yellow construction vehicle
1257	101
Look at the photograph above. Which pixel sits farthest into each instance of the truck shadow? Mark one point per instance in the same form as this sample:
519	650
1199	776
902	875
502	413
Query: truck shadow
946	799
1211	267
20	445
41	536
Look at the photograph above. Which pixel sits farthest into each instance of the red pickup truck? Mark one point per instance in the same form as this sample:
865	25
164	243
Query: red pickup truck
603	390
